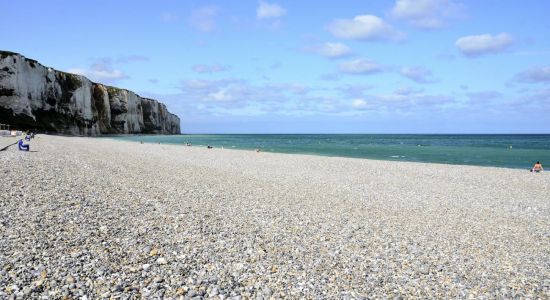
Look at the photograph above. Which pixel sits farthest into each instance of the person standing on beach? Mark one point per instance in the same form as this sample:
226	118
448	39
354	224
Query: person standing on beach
537	167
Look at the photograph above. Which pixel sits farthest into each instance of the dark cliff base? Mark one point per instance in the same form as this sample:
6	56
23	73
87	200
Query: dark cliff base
46	121
21	122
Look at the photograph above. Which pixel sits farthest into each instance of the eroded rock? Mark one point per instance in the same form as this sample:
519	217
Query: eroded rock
33	96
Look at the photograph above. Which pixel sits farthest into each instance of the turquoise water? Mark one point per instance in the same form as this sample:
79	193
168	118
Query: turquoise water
510	151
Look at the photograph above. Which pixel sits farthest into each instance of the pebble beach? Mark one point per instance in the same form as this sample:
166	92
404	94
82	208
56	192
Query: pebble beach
94	218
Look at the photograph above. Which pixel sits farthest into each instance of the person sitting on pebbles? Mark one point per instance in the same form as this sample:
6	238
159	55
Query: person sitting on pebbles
537	167
22	146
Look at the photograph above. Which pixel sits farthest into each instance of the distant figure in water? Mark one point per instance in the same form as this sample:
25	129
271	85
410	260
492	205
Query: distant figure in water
537	167
209	147
187	144
141	142
258	150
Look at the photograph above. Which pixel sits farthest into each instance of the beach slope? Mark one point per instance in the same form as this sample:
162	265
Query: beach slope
100	218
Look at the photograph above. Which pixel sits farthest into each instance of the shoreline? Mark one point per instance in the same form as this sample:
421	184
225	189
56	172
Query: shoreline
100	218
264	150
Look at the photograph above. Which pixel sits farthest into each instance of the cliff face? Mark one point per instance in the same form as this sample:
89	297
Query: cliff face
36	97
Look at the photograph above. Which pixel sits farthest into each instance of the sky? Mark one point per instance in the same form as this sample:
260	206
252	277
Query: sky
348	66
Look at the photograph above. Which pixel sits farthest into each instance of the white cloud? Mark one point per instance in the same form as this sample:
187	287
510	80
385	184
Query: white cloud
364	27
418	74
542	96
233	92
101	76
319	104
229	91
535	101
408	101
412	101
476	45
360	66
204	18
221	95
269	11
237	97
197	85
359	104
104	69
101	71
535	75
215	68
332	50
426	14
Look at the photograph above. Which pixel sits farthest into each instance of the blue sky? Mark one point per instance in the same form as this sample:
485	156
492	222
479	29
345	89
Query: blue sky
401	66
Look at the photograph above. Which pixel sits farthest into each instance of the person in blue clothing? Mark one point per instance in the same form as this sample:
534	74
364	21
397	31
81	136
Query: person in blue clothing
23	147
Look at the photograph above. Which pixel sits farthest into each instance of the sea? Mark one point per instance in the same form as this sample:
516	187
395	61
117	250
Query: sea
518	151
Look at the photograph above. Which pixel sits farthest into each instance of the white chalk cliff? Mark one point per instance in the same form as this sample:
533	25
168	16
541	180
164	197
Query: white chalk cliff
33	96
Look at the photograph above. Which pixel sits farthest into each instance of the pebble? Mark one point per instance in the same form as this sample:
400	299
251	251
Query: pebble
111	220
161	261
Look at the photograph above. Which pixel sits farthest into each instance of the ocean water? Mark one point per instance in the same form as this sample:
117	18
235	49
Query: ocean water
510	151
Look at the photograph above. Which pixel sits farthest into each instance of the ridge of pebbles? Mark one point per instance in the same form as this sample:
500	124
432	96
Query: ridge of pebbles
96	218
